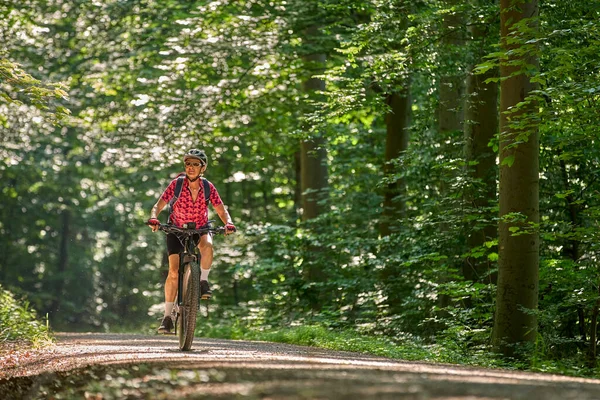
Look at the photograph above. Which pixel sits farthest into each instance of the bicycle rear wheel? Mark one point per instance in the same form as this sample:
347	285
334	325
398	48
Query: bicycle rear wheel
186	323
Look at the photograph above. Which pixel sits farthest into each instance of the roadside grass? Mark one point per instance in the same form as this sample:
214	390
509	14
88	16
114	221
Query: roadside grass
340	340
319	336
19	323
448	350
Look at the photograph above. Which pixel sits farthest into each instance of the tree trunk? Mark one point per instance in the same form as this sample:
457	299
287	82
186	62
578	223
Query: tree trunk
397	122
592	351
481	126
5	240
572	251
314	180
517	293
313	177
63	263
313	157
451	86
450	108
266	200
298	185
124	278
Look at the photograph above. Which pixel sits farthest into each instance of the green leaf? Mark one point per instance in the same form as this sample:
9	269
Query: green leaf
508	160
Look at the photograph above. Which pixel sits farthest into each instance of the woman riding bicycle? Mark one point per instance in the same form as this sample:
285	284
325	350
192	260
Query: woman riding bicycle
189	206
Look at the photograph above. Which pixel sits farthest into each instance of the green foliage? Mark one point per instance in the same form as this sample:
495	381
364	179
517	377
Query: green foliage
569	276
40	95
19	321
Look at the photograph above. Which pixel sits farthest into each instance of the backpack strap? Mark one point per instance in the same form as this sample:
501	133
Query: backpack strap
206	185
176	194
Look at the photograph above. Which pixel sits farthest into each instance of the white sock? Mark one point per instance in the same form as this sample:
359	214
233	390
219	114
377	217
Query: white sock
204	274
168	308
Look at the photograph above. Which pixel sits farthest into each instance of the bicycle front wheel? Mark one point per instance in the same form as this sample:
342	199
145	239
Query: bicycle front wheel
186	323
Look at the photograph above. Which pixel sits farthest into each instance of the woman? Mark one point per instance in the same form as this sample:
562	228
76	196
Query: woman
189	206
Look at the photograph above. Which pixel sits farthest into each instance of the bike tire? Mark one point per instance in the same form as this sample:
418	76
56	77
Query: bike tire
188	311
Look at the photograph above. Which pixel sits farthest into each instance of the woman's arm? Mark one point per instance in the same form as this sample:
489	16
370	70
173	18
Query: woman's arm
223	214
158	207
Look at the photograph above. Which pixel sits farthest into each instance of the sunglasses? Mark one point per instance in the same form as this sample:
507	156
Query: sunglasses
193	164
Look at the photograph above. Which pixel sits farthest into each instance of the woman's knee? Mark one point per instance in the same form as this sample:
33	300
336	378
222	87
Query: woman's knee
173	265
205	245
206	249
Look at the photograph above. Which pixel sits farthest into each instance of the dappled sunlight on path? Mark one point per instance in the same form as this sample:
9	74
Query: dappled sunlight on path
248	367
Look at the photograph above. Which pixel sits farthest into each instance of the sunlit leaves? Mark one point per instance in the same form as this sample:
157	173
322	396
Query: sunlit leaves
17	87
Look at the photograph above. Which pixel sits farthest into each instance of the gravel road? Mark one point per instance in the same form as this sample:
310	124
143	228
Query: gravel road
111	366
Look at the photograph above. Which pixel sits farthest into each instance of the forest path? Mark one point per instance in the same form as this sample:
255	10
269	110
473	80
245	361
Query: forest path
107	366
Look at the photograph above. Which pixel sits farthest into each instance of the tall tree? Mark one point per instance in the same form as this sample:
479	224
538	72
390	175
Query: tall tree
517	296
481	126
397	122
450	115
313	158
397	119
452	77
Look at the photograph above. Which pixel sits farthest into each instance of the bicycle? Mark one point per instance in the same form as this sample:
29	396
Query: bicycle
188	285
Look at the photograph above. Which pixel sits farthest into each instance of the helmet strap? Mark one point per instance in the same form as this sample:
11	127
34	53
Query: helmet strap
194	179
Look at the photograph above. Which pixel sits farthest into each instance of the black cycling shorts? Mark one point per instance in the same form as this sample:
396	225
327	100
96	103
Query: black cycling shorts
175	245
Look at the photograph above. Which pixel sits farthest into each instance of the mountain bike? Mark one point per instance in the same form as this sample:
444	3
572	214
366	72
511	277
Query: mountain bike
188	287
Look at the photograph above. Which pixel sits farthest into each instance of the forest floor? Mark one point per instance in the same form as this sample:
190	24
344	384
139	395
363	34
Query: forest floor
119	366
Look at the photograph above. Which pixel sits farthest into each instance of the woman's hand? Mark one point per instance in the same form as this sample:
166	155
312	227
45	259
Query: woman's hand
153	223
229	228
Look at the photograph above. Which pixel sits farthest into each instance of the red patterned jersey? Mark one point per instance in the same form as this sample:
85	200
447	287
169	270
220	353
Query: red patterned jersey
185	208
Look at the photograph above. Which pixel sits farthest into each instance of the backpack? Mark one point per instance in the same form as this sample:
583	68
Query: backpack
179	187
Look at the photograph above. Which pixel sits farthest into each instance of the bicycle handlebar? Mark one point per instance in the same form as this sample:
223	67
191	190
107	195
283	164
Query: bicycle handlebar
168	228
